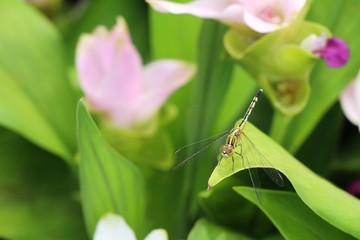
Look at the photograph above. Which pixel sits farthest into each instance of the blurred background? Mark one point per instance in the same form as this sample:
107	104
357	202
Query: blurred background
39	152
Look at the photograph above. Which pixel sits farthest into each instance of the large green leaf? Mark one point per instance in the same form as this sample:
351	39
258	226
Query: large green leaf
214	75
291	216
329	202
38	193
328	133
108	181
206	230
35	96
223	205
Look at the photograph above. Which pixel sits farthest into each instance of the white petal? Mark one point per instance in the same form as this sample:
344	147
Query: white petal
157	234
228	11
113	227
357	88
349	101
292	7
313	42
200	8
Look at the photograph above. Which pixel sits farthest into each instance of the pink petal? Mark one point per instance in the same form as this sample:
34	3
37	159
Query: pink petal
223	10
270	15
161	78
258	24
262	16
350	101
126	116
291	8
109	67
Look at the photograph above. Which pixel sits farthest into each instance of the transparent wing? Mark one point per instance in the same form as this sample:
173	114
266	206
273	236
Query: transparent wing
253	155
186	153
245	157
254	176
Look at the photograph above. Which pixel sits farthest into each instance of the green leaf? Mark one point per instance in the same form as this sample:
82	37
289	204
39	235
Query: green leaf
291	216
329	202
222	204
108	181
326	154
156	151
213	77
38	193
36	100
206	230
209	90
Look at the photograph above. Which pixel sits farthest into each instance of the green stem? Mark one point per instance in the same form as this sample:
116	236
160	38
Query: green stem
279	127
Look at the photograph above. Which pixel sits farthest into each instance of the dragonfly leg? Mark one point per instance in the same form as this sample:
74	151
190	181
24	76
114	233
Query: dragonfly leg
220	160
242	157
241	154
232	158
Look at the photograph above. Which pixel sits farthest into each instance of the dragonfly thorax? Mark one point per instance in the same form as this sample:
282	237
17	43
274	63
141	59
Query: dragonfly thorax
226	150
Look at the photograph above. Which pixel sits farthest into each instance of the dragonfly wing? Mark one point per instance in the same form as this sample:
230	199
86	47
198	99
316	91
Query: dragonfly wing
186	153
254	176
258	159
274	176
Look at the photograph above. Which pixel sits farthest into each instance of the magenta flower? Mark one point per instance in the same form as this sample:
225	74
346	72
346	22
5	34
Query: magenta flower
262	16
354	188
333	50
350	101
116	83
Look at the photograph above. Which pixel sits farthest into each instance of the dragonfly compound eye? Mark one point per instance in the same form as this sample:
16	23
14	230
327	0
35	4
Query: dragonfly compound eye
226	151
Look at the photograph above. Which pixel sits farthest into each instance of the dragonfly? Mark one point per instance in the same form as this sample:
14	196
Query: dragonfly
237	144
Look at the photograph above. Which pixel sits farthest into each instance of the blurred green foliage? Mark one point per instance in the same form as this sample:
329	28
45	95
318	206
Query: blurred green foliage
42	197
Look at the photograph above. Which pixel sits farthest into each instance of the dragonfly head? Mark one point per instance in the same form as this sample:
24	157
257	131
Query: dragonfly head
226	151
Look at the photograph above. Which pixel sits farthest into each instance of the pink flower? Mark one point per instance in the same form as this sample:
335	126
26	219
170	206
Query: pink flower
333	50
115	81
350	101
262	16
